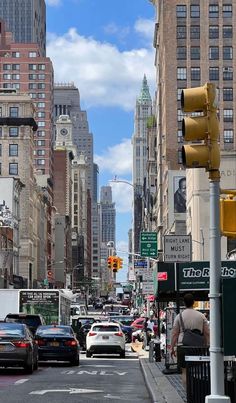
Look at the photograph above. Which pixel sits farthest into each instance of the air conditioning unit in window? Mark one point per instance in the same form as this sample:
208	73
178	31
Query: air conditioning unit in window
227	69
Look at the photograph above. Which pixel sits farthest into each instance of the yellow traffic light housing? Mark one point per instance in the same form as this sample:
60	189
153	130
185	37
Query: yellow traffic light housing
120	263
203	128
109	262
115	264
228	217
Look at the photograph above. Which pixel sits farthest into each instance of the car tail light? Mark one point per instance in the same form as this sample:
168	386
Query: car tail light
40	342
92	334
21	344
71	343
118	334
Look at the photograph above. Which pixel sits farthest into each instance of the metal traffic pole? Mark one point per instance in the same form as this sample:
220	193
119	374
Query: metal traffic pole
216	351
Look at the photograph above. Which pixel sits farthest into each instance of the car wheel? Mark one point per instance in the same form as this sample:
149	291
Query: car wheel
75	361
88	354
29	368
122	354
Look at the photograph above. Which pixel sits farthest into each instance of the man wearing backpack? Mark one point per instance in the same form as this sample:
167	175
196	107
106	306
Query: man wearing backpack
189	320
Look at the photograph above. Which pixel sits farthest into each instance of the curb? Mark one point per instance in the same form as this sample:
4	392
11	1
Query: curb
148	383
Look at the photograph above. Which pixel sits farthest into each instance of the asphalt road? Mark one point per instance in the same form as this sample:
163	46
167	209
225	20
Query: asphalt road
101	379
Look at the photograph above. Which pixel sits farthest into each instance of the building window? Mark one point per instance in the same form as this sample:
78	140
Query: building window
195	74
228	136
213	11
227	73
0	150
41	133
213	31
179	92
195	52
181	32
228	115
16	86
227	94
195	11
32	76
181	11
6	76
13	150
214	73
13	169
32	86
181	73
227	31
0	169
195	32
227	52
214	53
15	54
32	54
32	66
41	95
13	131
180	159
41	114
180	115
33	95
40	162
40	143
0	131
7	67
0	111
41	66
181	52
41	124
15	76
40	153
227	10
41	104
41	76
180	136
14	111
41	86
15	67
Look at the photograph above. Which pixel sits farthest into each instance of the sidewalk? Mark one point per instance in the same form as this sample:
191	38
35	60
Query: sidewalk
162	388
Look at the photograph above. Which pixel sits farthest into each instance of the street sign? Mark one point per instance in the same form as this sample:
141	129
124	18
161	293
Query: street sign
148	244
177	248
148	288
140	263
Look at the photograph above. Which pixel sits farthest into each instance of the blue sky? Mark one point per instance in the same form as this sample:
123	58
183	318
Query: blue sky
105	48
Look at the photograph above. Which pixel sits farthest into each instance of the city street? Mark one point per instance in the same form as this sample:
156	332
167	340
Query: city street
100	379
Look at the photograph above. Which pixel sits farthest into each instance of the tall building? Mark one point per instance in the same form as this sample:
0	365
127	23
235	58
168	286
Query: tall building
26	19
195	43
108	215
24	68
143	111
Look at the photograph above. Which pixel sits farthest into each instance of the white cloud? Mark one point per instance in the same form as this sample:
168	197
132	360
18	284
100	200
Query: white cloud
122	195
116	159
104	75
145	27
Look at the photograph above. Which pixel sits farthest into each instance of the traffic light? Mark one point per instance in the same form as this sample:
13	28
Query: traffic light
228	217
49	274
120	263
109	262
115	264
203	127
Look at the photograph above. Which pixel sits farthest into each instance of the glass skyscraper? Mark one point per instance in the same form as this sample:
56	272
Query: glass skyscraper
26	19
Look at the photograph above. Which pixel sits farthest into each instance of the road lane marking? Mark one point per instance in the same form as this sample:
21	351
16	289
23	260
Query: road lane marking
20	381
70	391
103	373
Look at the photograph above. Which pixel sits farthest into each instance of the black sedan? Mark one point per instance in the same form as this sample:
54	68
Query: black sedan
17	347
57	343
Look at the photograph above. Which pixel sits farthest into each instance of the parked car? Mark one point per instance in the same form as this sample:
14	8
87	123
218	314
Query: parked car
31	320
17	347
57	343
105	338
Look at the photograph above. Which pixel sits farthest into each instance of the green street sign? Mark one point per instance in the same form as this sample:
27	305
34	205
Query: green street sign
148	244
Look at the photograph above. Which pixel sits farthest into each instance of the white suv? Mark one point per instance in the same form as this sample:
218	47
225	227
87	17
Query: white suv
105	338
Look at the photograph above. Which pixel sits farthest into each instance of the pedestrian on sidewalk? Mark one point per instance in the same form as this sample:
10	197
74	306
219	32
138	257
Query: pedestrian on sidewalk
191	319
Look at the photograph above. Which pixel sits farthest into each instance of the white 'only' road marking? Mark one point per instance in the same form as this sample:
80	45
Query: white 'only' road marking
70	391
20	381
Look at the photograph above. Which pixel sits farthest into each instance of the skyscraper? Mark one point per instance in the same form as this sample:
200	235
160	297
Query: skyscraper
26	19
108	215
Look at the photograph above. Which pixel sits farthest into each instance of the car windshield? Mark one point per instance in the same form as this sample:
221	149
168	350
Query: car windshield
11	330
53	331
105	328
31	321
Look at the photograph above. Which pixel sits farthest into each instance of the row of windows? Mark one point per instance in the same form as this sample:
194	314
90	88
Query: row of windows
227	115
40	95
213	11
181	31
214	53
214	74
34	86
228	136
13	150
30	66
30	54
13	112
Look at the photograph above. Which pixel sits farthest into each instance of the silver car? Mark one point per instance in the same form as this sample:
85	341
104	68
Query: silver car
17	347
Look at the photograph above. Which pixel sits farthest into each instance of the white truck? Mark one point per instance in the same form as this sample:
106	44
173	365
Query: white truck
53	305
